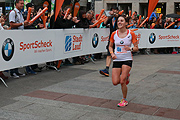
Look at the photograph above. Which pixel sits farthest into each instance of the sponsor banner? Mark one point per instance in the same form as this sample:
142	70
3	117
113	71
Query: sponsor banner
77	42
99	40
156	38
139	36
21	48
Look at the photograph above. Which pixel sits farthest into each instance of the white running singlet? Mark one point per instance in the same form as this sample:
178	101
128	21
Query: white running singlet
120	52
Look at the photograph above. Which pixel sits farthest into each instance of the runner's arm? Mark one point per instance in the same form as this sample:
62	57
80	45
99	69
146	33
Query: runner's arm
111	49
135	48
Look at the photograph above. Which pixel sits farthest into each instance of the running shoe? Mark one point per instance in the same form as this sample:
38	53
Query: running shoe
123	103
20	74
30	71
127	79
14	75
104	72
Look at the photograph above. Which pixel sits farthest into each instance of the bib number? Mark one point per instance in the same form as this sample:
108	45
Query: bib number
121	50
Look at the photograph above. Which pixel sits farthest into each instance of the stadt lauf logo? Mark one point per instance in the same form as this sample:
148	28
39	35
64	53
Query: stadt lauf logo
73	43
8	49
95	40
68	43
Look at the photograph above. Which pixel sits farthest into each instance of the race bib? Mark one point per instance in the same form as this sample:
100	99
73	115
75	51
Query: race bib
120	50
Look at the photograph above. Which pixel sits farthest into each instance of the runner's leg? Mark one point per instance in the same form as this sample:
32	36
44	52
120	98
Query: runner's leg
116	75
125	71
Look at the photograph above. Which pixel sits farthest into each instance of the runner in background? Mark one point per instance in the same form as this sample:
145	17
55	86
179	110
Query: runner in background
113	26
122	57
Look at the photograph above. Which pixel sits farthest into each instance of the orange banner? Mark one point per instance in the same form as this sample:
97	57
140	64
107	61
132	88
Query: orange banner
130	25
67	12
38	15
144	22
139	20
29	14
58	7
120	12
98	22
134	29
151	6
160	17
170	25
100	14
129	13
44	18
133	15
76	9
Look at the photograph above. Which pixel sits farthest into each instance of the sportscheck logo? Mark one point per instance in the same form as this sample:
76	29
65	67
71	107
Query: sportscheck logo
95	40
68	43
152	38
8	49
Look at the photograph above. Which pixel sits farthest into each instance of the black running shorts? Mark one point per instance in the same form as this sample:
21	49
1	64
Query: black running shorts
118	64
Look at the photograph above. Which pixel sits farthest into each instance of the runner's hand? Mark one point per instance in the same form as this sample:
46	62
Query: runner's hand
113	56
127	48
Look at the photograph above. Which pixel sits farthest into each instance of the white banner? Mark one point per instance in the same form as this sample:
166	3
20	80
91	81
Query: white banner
27	47
158	38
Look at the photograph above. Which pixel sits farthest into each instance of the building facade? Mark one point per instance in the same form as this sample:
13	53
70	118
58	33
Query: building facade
141	6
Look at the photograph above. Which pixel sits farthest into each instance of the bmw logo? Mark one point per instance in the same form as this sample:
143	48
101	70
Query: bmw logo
95	40
152	38
8	49
122	42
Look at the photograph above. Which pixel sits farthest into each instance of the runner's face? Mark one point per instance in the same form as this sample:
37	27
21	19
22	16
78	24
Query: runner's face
121	23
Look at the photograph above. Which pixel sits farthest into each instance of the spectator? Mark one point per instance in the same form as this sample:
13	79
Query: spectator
62	23
129	20
153	23
37	24
2	23
160	25
89	17
83	23
32	10
136	15
168	22
16	21
153	15
178	24
1	28
134	23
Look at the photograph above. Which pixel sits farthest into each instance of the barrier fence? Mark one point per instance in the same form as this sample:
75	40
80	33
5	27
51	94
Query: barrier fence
27	47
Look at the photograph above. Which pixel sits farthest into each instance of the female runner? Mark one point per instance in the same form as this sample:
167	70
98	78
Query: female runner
122	57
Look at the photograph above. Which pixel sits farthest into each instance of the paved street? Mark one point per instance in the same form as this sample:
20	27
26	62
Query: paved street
79	92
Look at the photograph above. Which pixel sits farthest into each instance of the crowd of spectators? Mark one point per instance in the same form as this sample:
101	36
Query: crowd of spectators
85	19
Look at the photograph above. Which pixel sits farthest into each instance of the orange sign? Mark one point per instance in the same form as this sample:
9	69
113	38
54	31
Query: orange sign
151	6
45	4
